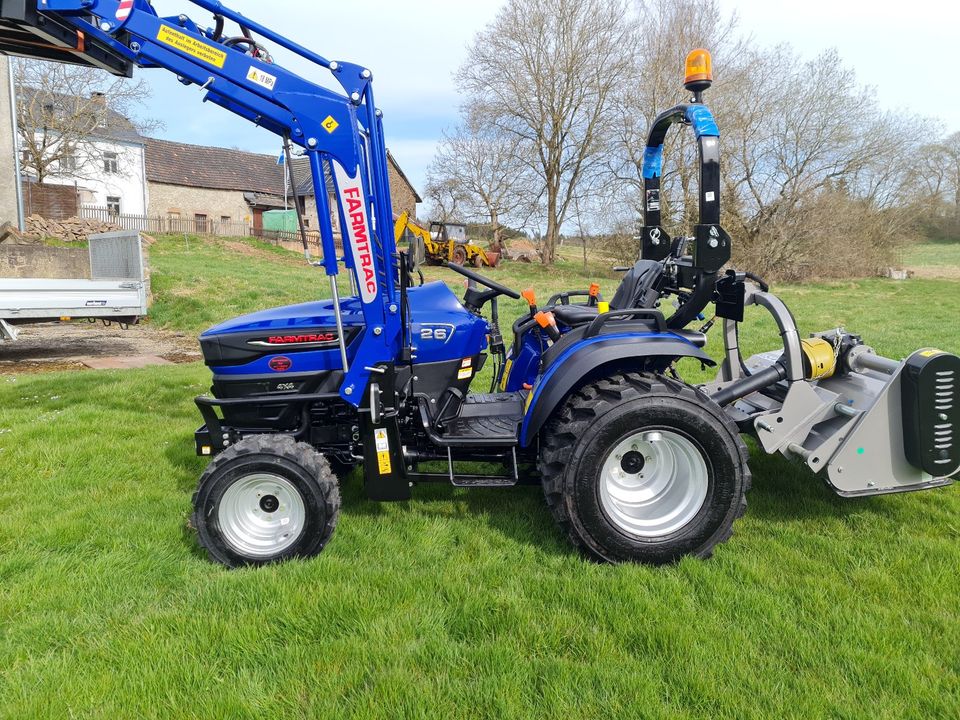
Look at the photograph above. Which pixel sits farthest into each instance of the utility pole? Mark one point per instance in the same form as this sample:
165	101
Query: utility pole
11	196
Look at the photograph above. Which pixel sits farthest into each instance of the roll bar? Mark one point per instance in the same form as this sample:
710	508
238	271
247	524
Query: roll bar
711	244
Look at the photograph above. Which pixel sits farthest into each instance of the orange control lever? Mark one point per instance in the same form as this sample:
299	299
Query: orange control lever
531	297
594	294
548	322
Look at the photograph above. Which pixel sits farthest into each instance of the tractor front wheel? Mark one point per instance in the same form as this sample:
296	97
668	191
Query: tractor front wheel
264	499
640	468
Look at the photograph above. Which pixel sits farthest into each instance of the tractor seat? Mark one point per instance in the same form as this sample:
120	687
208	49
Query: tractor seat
574	315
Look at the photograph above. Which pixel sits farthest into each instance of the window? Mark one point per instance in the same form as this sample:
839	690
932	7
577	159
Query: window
68	163
111	163
224	218
200	220
113	204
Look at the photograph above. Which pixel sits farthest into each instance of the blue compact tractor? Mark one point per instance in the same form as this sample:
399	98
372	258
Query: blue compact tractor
636	464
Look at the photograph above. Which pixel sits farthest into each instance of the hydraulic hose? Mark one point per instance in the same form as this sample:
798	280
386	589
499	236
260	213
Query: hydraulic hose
288	157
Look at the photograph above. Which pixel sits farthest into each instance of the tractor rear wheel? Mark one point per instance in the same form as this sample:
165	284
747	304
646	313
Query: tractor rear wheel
460	255
264	499
641	468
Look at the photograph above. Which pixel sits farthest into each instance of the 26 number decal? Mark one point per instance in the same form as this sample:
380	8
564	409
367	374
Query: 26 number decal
436	331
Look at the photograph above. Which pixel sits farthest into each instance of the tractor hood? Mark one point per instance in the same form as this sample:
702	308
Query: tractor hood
304	328
440	327
291	318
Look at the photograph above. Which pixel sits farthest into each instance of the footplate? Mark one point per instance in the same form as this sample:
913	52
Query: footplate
488	419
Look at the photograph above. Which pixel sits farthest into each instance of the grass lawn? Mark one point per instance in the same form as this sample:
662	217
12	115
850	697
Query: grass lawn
459	603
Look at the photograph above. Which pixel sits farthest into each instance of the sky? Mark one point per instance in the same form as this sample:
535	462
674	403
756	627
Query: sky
906	51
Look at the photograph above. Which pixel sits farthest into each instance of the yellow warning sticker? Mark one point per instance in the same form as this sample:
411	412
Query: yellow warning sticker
931	353
383	451
506	374
329	124
465	373
191	46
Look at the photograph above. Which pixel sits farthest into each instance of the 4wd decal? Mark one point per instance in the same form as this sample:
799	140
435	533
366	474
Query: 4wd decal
353	204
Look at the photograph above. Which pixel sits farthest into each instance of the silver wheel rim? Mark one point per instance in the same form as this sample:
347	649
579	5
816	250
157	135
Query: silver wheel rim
261	515
658	494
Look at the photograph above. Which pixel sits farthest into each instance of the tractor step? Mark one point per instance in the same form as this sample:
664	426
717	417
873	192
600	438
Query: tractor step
491	419
479	481
482	481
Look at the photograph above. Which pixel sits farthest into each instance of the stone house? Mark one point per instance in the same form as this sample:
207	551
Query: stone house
211	185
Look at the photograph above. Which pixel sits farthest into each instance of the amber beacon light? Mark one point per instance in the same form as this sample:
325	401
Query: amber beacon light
698	71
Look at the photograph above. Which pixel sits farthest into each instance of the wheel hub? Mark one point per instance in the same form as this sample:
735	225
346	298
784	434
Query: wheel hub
261	515
653	483
632	462
269	503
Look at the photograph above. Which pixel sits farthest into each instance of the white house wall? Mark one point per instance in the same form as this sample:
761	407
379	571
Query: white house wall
96	184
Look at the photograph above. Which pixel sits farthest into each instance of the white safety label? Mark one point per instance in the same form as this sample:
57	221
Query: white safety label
265	79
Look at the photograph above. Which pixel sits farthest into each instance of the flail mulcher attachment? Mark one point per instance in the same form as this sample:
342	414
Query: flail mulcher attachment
876	425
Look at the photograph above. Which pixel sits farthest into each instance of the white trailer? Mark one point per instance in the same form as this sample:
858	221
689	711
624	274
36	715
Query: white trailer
117	290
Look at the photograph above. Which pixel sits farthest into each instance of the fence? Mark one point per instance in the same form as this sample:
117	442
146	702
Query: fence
160	225
53	202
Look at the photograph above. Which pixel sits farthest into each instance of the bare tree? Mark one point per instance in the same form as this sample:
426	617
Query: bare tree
803	136
65	111
481	171
939	171
442	196
545	71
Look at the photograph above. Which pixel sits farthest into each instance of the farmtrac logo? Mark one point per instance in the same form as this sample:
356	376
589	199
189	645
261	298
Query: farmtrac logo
304	340
354	206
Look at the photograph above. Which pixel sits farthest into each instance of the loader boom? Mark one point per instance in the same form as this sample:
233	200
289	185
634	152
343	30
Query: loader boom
340	132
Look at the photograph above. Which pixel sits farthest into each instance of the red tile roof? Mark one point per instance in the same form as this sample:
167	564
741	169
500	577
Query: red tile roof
215	168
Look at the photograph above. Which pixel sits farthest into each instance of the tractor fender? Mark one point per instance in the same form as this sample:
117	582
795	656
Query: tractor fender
583	359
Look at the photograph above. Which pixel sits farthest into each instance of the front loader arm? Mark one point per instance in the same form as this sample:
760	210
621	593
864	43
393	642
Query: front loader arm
342	135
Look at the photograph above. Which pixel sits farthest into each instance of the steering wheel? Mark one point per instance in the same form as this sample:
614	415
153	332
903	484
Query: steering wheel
483	280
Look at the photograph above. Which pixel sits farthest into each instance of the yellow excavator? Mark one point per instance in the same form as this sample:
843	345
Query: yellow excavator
445	242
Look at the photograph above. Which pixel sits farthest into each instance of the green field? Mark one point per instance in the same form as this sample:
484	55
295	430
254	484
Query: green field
459	603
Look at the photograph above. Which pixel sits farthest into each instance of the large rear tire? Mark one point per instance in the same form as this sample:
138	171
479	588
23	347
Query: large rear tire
641	468
266	498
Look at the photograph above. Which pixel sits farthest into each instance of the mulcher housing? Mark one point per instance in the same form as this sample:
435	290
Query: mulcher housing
381	379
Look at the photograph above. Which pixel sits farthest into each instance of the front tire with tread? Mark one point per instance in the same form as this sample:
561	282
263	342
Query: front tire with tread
300	468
